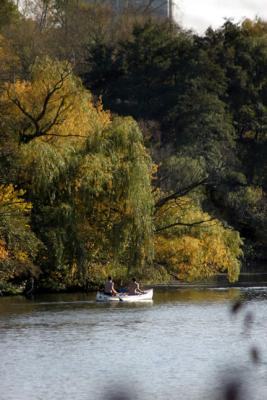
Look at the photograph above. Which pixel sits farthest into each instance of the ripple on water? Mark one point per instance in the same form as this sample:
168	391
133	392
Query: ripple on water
180	346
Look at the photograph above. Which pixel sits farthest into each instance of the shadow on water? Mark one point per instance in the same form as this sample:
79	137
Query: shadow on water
61	301
21	304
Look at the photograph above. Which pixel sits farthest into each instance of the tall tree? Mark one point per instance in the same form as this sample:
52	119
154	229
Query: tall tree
8	13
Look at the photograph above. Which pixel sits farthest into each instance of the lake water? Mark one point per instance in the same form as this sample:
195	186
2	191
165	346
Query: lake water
186	344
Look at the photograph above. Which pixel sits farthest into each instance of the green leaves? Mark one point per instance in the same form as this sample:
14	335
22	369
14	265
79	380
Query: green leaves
8	12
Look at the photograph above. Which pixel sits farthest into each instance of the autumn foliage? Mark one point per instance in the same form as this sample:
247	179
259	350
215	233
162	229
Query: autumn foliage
128	146
87	188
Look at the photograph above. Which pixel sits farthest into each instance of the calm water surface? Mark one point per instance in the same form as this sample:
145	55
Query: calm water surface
180	346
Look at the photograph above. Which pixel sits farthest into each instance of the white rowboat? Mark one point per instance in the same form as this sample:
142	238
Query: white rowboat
147	295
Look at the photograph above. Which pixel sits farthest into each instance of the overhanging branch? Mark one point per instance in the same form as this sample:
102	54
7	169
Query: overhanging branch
192	224
179	193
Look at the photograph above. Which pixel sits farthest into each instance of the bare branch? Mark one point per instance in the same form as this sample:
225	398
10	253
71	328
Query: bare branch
49	125
179	193
68	136
36	121
150	6
192	224
57	86
22	109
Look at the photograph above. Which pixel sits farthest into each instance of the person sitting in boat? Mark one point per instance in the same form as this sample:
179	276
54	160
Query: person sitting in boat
134	288
109	287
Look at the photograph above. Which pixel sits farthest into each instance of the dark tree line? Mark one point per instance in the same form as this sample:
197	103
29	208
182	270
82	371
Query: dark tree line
207	95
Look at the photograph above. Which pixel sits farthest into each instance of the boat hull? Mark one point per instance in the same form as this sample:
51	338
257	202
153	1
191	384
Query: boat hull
123	297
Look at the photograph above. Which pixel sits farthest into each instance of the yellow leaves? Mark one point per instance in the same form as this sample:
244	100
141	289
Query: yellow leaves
73	269
155	168
191	258
256	27
195	251
18	244
22	89
11	200
182	210
182	255
253	194
53	104
55	117
3	250
21	256
104	116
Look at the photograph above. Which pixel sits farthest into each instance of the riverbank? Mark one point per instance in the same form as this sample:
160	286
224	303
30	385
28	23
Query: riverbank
246	279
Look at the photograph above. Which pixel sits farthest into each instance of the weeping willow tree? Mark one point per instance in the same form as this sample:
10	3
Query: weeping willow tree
86	174
114	182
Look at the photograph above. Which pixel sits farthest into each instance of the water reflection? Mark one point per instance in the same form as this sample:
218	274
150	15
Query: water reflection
197	295
63	301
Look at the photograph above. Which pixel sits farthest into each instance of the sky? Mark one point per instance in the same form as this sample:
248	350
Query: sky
200	14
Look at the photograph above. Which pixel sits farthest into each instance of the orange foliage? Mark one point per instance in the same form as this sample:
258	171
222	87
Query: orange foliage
3	250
